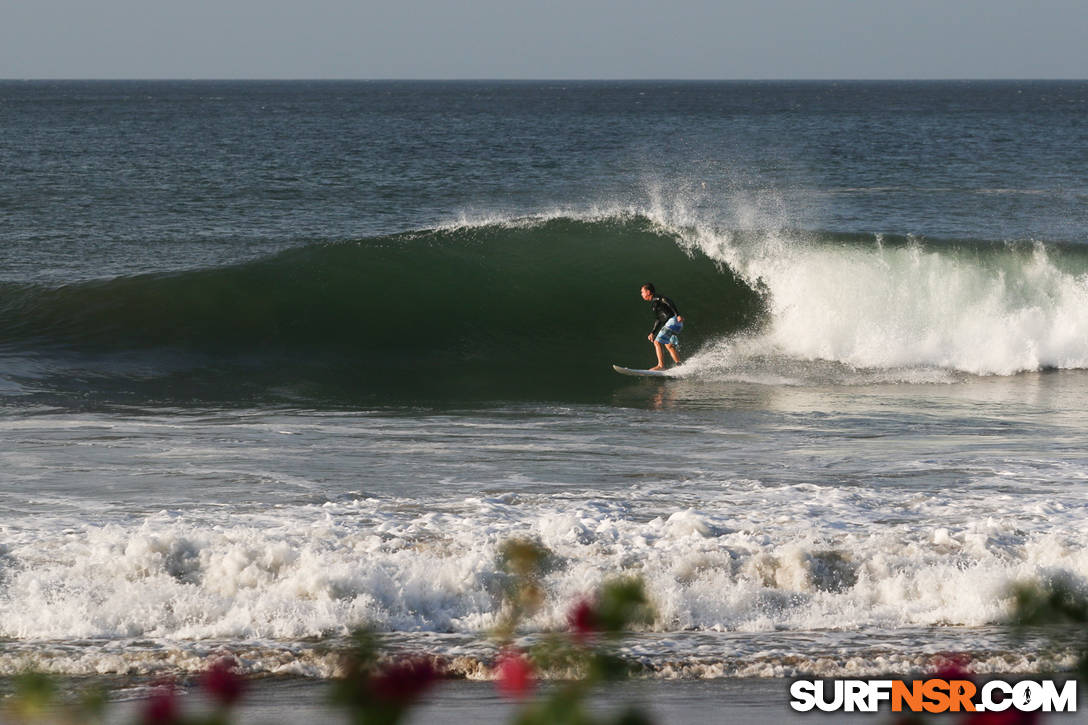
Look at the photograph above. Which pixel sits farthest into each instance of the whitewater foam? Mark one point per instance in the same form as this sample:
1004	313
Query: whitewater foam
760	527
811	560
676	657
913	308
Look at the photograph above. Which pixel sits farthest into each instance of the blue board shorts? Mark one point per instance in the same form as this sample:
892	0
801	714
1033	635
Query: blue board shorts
667	334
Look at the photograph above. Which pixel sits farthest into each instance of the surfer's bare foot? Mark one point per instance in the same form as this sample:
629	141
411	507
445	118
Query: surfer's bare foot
658	367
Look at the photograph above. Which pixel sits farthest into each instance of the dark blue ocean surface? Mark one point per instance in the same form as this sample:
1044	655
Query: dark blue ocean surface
280	359
466	225
101	177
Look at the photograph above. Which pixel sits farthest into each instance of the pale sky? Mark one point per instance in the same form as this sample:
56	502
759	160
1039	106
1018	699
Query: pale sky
545	39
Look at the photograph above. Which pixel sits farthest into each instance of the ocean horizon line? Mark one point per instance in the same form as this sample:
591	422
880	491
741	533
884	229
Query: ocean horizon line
783	80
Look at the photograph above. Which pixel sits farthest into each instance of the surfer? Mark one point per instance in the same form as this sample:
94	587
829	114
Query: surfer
667	324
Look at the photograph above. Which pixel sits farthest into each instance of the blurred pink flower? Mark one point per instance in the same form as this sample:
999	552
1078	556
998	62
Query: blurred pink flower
223	682
515	673
404	681
162	708
952	666
582	620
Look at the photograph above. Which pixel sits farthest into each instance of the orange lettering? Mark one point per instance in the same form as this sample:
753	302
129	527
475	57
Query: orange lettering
937	692
961	693
911	695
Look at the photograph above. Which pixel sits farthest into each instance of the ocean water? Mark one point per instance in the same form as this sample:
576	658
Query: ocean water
280	359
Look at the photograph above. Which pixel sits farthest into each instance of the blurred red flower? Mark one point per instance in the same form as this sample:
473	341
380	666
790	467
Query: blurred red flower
223	682
582	620
162	708
515	674
404	681
952	666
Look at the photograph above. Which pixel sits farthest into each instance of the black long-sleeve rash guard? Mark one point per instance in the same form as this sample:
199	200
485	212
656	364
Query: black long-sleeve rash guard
663	308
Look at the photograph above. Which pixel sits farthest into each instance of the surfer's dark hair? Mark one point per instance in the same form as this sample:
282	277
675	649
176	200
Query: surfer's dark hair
650	286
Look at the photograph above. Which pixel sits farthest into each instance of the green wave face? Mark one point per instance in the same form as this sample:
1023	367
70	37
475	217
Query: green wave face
515	310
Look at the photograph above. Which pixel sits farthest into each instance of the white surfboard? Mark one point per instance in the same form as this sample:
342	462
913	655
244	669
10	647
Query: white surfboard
643	373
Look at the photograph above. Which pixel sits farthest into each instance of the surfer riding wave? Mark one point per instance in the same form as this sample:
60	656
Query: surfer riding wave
668	322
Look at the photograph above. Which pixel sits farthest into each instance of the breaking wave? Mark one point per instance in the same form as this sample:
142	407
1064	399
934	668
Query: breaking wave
539	307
